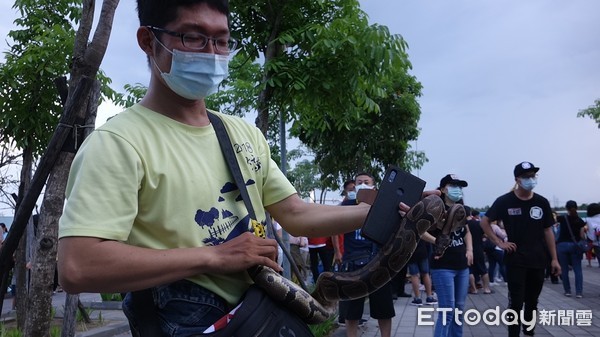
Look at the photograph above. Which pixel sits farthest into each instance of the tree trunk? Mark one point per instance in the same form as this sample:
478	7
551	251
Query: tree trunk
70	318
274	49
20	271
44	260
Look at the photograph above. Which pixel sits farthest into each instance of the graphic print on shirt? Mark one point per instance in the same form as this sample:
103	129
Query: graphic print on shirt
514	211
221	224
457	237
252	161
536	212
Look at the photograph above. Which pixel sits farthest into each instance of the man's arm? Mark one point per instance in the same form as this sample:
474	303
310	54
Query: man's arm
487	229
89	264
300	218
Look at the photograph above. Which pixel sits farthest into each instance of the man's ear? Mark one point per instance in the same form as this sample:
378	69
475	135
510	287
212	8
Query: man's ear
145	39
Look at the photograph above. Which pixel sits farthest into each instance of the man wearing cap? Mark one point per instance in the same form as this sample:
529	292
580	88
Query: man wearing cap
527	218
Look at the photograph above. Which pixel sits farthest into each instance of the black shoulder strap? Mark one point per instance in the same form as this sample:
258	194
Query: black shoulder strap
234	166
566	216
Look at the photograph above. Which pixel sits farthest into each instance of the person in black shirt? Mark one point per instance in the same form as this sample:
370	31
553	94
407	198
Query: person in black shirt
478	271
528	221
567	250
450	271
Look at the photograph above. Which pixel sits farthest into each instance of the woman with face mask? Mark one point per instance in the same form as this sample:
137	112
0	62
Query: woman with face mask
450	271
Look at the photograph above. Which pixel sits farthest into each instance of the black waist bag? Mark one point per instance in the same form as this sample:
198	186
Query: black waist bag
260	316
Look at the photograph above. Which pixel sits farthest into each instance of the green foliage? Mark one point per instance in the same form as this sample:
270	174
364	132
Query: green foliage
593	112
79	317
331	73
304	177
29	102
111	297
12	332
55	331
134	93
324	329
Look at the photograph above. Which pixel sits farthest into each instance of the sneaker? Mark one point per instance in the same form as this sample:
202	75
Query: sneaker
342	323
578	296
362	322
568	294
417	302
431	300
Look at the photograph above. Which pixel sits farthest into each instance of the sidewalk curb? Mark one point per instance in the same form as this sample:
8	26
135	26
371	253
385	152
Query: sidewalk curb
108	330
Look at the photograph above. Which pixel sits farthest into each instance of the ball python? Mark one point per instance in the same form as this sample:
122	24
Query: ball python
331	287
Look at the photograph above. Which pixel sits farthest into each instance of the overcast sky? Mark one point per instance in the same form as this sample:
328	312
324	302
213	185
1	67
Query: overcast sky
503	82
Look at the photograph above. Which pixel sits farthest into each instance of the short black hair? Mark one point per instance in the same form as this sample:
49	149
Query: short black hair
593	209
348	182
571	204
474	212
364	174
159	13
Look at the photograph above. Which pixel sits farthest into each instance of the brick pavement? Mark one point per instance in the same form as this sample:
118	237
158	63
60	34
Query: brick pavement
405	322
551	298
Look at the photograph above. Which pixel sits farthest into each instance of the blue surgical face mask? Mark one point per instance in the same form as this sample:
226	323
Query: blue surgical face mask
454	193
195	75
528	184
351	195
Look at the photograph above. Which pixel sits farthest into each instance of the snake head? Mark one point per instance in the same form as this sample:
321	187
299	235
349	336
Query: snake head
442	242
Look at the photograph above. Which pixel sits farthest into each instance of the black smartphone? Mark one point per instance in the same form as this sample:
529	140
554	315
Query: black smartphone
383	218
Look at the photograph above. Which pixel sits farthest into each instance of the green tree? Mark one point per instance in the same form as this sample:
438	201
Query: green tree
34	90
593	112
328	70
304	177
29	101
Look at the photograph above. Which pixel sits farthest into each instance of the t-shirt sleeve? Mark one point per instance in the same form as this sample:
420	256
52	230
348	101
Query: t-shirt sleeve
492	212
276	186
102	189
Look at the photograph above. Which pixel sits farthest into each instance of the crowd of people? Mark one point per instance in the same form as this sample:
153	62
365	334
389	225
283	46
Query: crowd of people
494	247
173	222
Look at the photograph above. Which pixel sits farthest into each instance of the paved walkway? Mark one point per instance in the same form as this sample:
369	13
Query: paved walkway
551	299
405	322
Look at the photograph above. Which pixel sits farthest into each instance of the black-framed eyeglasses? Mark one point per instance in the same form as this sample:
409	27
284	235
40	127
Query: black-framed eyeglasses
199	41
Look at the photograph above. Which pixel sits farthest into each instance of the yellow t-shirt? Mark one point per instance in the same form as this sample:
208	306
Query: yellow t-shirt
150	181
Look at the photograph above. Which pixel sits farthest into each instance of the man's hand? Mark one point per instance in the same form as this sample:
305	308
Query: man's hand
404	208
508	246
243	252
556	271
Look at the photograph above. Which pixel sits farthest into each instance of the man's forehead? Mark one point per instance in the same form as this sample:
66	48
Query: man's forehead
363	178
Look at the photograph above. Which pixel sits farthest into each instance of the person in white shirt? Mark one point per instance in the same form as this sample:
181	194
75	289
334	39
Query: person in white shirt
593	227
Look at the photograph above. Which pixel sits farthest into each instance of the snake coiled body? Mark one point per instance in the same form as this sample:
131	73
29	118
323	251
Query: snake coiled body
331	287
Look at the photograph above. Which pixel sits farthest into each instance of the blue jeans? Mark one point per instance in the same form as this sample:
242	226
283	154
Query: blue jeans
183	308
568	255
451	287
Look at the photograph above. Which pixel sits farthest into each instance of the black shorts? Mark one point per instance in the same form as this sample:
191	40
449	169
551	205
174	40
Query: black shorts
381	305
478	267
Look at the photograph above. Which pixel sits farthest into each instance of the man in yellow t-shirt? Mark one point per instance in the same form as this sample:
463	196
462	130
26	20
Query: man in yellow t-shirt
150	200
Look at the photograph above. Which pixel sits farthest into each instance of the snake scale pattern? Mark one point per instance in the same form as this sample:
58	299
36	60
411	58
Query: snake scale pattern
332	287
